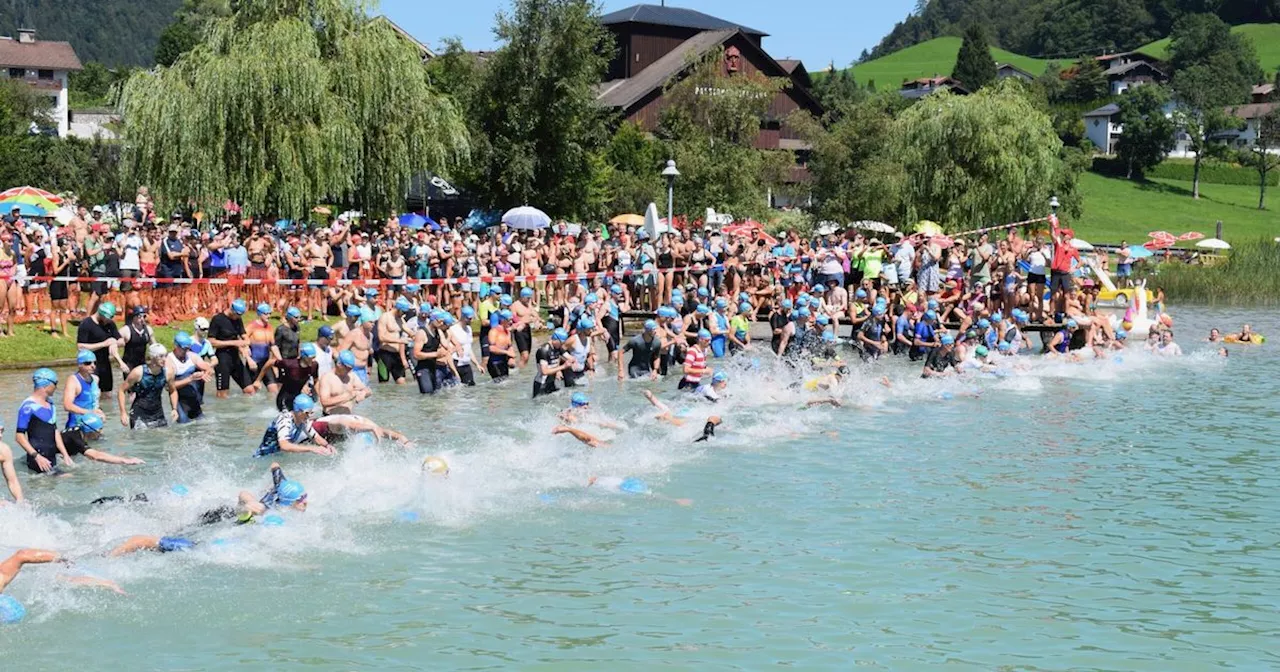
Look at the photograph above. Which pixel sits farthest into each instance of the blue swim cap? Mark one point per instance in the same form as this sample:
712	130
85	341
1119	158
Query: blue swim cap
823	319
290	491
878	310
786	304
744	307
438	315
293	312
743	296
238	307
802	302
861	293
676	291
984	324
325	331
721	304
403	304
997	316
720	377
634	486
175	544
677	300
367	315
11	610
930	315
650	325
586	323
703	334
793	315
616	289
182	340
703	293
505	316
505	299
347	359
818	289
559	335
948	339
525	293
87	357
468	312
303	403
804	312
450	320
414	288
1072	324
179	490
1004	345
264	309
371	292
308	350
933	303
590	299
704	309
91	422
1022	317
579	399
946	396
829	336
353	310
1121	334
44	377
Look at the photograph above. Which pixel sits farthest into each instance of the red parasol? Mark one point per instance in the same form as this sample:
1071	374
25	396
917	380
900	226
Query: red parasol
1159	244
1161	235
943	242
1191	235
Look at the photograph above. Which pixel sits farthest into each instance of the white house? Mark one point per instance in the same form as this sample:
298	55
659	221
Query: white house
44	66
1103	128
1252	115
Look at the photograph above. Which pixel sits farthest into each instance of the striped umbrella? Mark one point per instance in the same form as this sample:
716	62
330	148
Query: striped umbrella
15	192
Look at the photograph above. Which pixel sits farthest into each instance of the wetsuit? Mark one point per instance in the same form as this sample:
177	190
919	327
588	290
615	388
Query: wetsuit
189	397
134	352
230	366
613	326
873	329
543	384
643	354
284	426
1065	344
428	371
293	376
92	332
39	423
940	361
777	321
147	409
87	399
924	332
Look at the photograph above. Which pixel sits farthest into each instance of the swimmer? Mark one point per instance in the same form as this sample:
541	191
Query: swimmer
11	610
1167	347
580	411
1245	335
941	361
334	427
37	432
664	412
711	391
146	382
630	486
1215	336
433	465
709	428
586	438
292	430
341	389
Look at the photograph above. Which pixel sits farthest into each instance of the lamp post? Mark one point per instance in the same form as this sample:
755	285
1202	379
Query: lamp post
670	173
1053	205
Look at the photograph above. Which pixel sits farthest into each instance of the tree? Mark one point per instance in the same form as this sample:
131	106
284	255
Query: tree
838	90
1212	68
189	25
536	108
288	103
1050	83
20	107
635	160
974	66
991	157
1148	130
1088	83
853	175
1264	155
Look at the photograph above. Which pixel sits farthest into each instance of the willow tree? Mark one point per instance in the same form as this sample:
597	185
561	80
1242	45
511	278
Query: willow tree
991	157
288	103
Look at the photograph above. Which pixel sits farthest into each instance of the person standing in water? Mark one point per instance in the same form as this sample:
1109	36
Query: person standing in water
501	350
526	318
185	371
340	390
37	431
82	395
261	341
137	335
146	383
296	375
230	349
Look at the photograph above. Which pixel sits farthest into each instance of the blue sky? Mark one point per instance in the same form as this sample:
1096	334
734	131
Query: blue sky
816	31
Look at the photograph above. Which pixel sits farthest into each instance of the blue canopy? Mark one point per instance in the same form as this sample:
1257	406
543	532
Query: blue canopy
412	220
24	209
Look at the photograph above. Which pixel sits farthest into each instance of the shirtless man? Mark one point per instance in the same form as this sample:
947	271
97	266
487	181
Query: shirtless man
526	318
360	342
340	390
391	342
501	354
317	256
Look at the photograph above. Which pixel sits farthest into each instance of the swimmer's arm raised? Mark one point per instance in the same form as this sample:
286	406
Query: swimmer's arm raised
584	437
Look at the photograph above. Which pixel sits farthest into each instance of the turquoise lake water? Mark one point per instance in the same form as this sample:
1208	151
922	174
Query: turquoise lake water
1108	515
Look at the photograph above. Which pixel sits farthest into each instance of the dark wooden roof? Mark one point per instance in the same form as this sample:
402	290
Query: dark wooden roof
678	17
38	55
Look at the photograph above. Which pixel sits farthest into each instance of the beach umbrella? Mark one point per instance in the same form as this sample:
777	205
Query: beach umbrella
32	193
1081	244
63	215
1158	244
321	210
628	220
526	217
928	228
412	220
827	228
943	242
1139	252
1214	244
1191	235
24	209
869	225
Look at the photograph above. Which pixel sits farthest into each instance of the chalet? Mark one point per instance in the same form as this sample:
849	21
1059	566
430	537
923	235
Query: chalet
1007	70
43	65
1262	93
1129	69
919	88
656	45
1251	115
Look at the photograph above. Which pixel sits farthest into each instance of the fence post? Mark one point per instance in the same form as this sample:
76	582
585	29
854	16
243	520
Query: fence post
1218	233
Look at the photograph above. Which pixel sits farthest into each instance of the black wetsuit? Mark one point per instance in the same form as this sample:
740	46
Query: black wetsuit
147	409
643	355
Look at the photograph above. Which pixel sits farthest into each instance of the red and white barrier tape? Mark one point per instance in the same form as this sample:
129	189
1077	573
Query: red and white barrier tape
1001	227
382	282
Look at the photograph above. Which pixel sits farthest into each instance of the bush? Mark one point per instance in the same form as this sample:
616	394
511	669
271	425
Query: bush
798	221
1250	275
1184	170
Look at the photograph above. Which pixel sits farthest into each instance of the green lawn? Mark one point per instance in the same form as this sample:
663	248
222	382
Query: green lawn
935	57
1265	36
1116	209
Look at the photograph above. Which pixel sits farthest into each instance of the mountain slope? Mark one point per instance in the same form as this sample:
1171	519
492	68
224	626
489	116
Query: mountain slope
114	32
1265	37
935	57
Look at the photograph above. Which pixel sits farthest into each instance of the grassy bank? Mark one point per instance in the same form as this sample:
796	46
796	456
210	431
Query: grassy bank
1249	275
1265	38
1116	209
937	57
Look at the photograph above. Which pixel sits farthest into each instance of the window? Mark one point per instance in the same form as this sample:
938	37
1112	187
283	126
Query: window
45	74
17	73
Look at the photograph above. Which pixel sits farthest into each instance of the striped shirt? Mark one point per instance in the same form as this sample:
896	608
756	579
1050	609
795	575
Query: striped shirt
695	364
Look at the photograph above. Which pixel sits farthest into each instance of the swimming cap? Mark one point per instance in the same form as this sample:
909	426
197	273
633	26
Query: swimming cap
347	358
156	350
586	323
793	315
818	289
91	422
930	315
44	377
861	293
703	293
804	312
293	312
450	320
634	486
11	610
525	293
704	309
676	291
981	350
744	307
505	315
505	299
823	319
997	316
650	325
971	334
590	299
721	304
933	303
264	309
720	377
1072	324
290	491
371	292
414	288
435	465
238	307
403	304
107	310
1121	334
616	289
829	336
182	340
1022	317
353	310
303	403
308	350
559	335
468	312
878	310
665	311
743	296
325	331
367	315
439	314
677	300
948	339
579	399
802	302
703	334
87	357
179	490
983	323
1004	346
272	520
786	304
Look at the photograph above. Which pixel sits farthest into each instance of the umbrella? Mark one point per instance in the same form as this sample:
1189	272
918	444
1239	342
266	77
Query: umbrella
943	242
1191	235
868	225
929	228
827	228
1139	252
321	210
526	217
24	209
628	220
412	220
1158	244
1162	235
1214	244
31	192
63	215
1081	244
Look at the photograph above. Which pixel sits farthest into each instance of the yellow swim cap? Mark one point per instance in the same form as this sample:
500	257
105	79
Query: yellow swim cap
435	465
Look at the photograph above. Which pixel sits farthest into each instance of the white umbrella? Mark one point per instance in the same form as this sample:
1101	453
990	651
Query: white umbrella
63	215
1214	244
868	225
1081	244
827	228
526	217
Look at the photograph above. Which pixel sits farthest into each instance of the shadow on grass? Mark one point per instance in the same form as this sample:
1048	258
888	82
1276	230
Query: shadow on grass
1184	192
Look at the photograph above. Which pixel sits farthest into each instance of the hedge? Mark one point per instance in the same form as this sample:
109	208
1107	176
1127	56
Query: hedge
1211	172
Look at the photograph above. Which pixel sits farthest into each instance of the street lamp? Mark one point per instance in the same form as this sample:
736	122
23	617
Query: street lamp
1053	204
670	173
